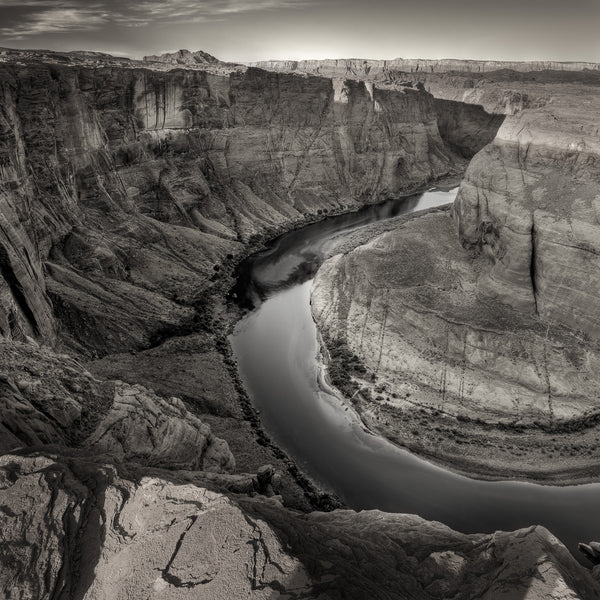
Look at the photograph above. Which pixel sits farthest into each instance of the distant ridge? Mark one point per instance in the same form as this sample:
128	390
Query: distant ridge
358	66
183	57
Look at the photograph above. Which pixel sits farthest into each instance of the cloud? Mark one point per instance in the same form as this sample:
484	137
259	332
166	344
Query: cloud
28	18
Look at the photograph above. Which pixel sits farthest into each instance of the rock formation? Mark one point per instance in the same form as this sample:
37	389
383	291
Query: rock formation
183	57
500	326
50	399
91	530
129	188
358	68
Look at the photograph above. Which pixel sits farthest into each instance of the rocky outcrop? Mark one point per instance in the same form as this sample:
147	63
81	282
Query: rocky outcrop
143	427
183	57
528	202
441	362
50	399
84	529
503	330
84	58
91	530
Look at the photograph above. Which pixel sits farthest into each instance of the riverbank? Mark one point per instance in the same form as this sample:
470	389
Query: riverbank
404	387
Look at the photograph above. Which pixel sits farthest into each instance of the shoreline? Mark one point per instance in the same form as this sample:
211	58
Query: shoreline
198	365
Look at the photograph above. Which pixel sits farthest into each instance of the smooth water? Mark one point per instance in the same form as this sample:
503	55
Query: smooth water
276	349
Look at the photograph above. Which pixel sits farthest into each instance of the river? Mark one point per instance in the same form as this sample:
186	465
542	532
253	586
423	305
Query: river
276	347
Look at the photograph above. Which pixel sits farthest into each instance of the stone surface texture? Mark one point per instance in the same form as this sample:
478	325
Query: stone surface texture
90	530
491	316
124	190
367	69
50	399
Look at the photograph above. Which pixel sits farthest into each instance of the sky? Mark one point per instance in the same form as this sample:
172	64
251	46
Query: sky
251	30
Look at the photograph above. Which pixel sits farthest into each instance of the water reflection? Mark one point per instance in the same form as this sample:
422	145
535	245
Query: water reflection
295	257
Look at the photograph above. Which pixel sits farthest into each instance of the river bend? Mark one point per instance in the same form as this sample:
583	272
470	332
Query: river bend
276	349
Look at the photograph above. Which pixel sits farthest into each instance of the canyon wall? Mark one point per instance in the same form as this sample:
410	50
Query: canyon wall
123	190
490	317
500	88
529	202
466	128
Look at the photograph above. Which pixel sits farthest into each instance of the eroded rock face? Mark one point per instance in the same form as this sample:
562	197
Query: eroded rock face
50	399
503	329
434	349
128	188
143	427
87	529
529	202
502	88
106	536
365	69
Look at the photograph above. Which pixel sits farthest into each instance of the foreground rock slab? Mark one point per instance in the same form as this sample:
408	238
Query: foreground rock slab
82	528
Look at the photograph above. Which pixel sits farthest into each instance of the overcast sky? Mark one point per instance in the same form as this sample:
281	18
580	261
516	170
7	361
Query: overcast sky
246	30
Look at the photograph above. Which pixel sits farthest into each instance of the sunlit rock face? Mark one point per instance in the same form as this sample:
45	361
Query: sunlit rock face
529	202
124	188
100	531
408	305
365	69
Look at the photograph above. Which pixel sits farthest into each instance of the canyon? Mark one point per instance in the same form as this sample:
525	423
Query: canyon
133	463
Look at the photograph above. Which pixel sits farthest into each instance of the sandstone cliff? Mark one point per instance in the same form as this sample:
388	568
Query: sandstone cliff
365	69
504	330
498	88
529	202
124	189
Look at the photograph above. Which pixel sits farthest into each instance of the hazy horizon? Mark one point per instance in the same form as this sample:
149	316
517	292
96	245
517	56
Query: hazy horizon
248	31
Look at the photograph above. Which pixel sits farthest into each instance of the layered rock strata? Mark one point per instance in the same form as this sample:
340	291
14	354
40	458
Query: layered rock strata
452	375
50	399
127	195
364	69
495	87
123	191
498	326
